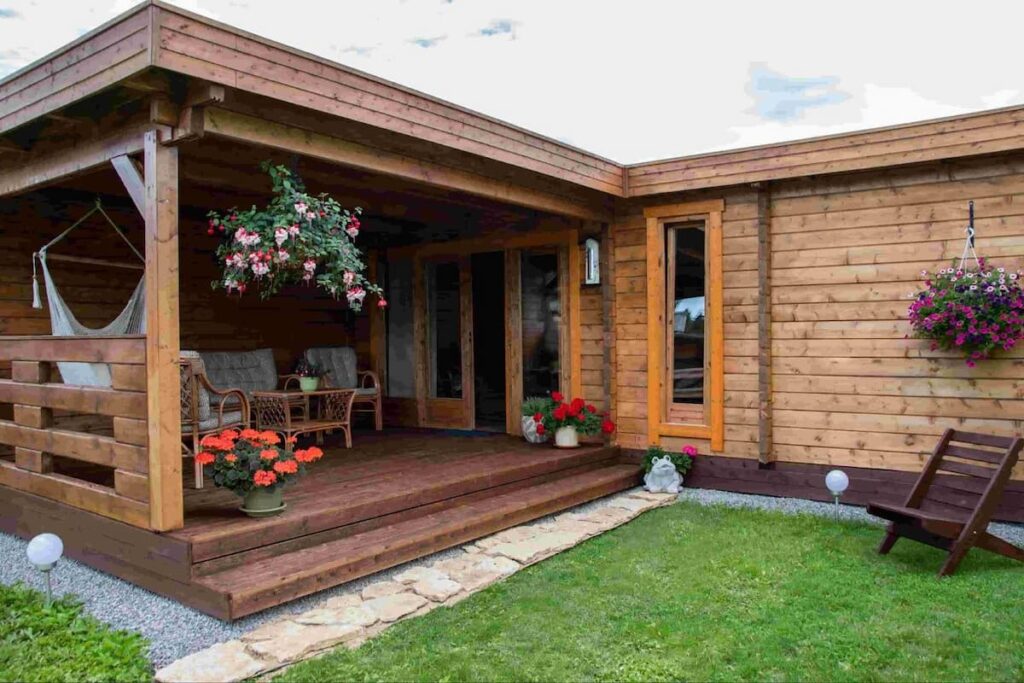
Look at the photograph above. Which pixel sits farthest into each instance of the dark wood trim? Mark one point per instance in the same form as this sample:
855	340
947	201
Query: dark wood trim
807	481
765	446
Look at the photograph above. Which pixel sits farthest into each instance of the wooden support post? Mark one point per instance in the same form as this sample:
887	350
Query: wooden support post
513	340
575	359
163	402
765	446
607	269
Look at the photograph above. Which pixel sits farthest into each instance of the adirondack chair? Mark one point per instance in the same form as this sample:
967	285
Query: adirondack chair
953	513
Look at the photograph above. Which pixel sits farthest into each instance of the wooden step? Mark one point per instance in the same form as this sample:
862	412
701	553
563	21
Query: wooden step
272	581
332	498
247	557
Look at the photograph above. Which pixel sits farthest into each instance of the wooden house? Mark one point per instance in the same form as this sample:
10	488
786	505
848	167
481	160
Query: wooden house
780	353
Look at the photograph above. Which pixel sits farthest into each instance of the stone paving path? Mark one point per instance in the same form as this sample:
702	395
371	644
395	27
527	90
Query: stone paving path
352	618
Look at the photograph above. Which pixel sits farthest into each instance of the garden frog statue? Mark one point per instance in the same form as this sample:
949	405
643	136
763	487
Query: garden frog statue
663	477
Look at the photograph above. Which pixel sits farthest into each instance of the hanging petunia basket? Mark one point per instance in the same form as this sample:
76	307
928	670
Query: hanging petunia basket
972	309
297	238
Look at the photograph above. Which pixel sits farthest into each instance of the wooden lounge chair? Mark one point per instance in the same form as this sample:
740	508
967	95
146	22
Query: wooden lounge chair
953	513
205	409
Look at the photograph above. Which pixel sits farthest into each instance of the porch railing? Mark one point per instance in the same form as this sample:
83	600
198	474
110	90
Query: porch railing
82	446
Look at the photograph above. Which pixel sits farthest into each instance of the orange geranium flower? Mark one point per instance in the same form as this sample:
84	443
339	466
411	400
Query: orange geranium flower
269	437
249	434
216	442
286	467
269	454
264	478
292	439
231	457
231	434
205	458
308	454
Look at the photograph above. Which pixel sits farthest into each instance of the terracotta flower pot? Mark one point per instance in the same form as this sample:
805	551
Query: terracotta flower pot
263	502
309	383
567	437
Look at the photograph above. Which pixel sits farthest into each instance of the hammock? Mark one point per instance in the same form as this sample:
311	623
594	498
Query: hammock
132	320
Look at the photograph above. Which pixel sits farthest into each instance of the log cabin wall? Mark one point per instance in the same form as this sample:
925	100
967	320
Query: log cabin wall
847	388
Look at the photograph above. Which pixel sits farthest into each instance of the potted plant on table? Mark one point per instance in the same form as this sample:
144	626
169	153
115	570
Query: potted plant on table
254	466
309	375
567	420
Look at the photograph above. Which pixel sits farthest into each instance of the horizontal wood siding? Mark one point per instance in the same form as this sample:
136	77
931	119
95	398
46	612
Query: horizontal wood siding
739	245
964	136
113	53
849	388
217	53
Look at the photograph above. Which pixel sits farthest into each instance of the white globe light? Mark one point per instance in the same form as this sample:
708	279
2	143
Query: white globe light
837	481
44	550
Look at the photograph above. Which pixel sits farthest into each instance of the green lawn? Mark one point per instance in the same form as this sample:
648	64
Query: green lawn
59	643
708	593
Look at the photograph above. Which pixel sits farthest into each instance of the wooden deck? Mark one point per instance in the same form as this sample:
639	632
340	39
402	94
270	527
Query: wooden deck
396	496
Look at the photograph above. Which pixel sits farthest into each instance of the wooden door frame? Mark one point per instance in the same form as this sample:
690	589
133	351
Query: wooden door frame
571	276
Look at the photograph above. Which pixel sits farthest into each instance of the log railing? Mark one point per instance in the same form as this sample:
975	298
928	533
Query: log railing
116	457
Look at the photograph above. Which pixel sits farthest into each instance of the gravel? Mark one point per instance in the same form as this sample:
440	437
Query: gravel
175	630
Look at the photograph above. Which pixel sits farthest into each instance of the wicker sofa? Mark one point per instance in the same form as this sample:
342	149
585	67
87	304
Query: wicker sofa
343	373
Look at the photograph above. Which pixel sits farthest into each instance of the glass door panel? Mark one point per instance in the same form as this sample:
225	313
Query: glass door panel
542	322
444	330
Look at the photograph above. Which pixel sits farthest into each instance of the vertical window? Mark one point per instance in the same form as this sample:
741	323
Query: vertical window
685	316
542	313
685	330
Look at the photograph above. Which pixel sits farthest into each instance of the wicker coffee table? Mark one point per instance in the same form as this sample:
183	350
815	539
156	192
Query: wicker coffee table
291	413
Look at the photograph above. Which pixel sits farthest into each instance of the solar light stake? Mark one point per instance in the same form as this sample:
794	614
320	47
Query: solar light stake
43	552
836	481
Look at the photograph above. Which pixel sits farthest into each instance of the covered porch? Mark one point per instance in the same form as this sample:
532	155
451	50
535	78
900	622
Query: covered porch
481	256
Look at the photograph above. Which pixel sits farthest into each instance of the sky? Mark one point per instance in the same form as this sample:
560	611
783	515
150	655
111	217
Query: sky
632	80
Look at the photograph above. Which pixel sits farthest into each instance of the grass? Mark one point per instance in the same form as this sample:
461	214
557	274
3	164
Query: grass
59	643
710	593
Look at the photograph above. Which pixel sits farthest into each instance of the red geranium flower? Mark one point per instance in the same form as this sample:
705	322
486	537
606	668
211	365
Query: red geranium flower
591	408
557	396
540	428
537	417
607	426
560	412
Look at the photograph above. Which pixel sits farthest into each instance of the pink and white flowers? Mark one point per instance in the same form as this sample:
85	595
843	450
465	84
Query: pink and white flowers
295	238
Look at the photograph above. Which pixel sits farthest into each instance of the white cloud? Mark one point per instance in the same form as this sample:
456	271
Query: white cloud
631	81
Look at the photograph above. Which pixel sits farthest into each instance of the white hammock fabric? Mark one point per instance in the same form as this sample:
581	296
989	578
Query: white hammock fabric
132	320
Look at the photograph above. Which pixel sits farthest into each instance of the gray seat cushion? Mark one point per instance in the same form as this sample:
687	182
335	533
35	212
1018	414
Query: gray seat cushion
339	362
232	419
246	370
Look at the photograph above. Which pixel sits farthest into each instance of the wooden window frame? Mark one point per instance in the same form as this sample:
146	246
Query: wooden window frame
658	424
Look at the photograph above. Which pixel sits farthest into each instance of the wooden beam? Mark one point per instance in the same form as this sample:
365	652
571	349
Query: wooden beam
53	165
715	317
607	270
166	504
131	177
655	253
252	130
765	446
575	328
513	340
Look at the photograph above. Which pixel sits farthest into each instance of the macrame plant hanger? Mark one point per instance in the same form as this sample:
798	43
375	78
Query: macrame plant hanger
969	242
131	320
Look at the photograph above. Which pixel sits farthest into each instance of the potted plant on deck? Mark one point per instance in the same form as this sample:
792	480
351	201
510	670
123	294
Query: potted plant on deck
567	420
309	375
253	465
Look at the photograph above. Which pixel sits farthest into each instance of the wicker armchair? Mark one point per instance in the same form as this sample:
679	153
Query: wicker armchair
205	409
340	364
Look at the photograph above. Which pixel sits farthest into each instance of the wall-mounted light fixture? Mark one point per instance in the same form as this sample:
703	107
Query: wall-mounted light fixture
592	275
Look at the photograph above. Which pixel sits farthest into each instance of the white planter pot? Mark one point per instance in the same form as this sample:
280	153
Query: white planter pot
530	431
566	437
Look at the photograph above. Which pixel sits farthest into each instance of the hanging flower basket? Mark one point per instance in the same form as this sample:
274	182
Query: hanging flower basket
296	238
976	310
